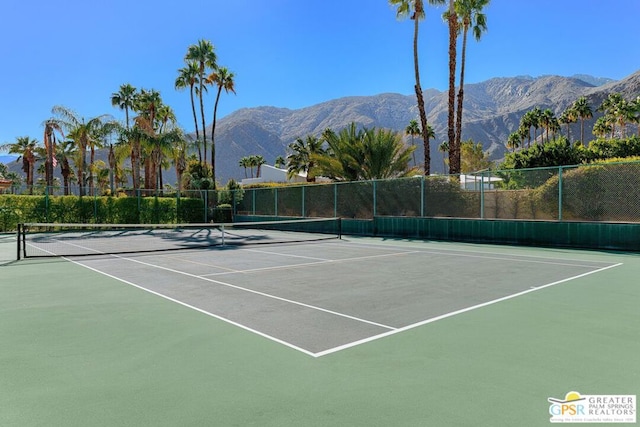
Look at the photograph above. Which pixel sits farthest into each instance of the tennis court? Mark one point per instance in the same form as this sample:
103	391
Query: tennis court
351	331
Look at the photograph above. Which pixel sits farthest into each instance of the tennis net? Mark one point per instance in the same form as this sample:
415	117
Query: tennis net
57	240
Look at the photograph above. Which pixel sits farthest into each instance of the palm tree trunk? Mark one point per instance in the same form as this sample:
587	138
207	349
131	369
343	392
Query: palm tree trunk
213	132
204	130
195	121
419	10
458	134
454	149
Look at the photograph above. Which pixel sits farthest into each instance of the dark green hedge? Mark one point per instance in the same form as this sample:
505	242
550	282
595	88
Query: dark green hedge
100	210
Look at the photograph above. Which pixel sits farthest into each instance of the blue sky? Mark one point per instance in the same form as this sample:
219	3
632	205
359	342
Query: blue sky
284	53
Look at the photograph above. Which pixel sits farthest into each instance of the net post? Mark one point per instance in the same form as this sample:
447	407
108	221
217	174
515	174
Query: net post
18	233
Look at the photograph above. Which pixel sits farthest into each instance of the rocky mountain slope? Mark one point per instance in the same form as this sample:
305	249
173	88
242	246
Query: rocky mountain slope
492	111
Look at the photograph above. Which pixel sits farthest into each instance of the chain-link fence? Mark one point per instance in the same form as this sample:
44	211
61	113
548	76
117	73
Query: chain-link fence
604	192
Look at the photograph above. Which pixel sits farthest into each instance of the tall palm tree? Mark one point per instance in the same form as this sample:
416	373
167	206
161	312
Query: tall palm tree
567	117
413	129
471	16
124	100
50	127
65	152
583	110
245	163
513	141
414	9
223	78
203	54
259	161
188	77
25	147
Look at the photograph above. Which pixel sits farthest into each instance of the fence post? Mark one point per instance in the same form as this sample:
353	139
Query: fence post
275	201
375	197
335	200
46	203
303	196
482	195
560	193
422	195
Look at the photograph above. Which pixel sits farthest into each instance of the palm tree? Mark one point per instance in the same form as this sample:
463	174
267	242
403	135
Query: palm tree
223	78
547	121
567	117
85	134
124	100
280	161
188	77
364	154
602	127
513	141
50	127
444	148
245	163
259	161
300	160
413	129
415	10
583	110
470	13
25	147
203	54
65	151
179	154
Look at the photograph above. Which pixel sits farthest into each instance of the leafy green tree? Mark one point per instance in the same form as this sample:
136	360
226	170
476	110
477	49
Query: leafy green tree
223	78
414	9
473	157
471	17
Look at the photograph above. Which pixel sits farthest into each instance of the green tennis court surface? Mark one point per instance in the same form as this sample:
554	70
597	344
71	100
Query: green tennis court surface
353	332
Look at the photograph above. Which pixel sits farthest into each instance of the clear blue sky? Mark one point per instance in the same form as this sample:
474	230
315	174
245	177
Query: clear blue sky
284	53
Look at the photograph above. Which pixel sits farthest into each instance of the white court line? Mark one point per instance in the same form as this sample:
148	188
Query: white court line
224	319
493	255
454	313
391	331
264	294
307	264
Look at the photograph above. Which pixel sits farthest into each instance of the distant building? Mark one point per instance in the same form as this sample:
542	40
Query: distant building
273	174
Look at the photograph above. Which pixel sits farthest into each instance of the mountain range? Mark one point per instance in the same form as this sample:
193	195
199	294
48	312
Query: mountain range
492	110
